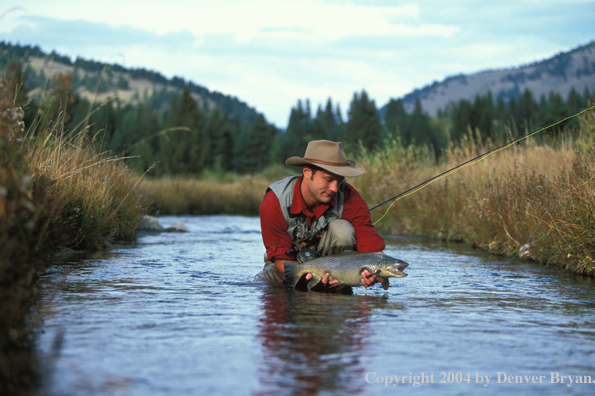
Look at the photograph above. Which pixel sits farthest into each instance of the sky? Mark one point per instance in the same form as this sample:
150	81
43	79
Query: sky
270	53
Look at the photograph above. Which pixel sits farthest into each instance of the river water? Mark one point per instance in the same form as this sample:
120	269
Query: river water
178	314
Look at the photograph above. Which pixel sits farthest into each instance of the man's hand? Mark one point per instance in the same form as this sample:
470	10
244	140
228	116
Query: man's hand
366	282
324	279
372	280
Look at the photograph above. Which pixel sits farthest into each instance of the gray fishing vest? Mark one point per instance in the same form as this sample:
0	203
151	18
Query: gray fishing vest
297	225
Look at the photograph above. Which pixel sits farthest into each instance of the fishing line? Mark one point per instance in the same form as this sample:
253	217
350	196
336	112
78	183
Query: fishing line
472	161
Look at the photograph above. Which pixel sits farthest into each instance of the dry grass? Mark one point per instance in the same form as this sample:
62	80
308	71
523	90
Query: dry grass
23	217
538	195
96	196
237	195
55	192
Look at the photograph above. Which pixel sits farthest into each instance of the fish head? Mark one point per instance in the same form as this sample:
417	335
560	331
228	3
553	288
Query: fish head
392	267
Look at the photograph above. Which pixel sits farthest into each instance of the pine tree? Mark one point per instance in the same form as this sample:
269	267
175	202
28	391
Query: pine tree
461	120
588	98
330	118
482	114
185	152
420	129
526	112
364	122
320	129
575	101
258	145
295	138
220	131
395	119
554	110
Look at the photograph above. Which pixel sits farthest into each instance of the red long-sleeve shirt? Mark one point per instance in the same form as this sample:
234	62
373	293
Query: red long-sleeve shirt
274	227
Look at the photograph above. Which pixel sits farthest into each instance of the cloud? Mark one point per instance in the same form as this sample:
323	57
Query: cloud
81	35
269	53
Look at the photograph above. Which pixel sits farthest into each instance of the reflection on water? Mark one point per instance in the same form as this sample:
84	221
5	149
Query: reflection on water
178	314
313	342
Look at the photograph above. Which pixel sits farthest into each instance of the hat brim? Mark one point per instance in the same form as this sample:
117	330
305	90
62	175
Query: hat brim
352	170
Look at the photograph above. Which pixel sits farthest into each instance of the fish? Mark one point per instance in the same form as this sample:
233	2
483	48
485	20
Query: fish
346	268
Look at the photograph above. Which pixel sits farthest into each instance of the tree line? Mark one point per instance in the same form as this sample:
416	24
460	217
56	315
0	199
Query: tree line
187	138
483	117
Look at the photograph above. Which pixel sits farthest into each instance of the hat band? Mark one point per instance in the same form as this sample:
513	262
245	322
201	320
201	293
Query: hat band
321	162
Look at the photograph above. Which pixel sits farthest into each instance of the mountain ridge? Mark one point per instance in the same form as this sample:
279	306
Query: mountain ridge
99	81
558	74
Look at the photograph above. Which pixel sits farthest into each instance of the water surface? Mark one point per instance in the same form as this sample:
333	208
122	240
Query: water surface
177	314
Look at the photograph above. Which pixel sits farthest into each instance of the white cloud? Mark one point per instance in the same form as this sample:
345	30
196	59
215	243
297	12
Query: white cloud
270	53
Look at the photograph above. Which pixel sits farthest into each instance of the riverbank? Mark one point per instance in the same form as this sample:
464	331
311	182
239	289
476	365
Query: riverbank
232	194
56	192
535	199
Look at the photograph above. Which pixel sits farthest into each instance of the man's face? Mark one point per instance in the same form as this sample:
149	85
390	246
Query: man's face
319	187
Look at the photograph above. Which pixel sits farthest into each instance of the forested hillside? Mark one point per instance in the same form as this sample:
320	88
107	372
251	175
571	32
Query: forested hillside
180	128
559	74
97	81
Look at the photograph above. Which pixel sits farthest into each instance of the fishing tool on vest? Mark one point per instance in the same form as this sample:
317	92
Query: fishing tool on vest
472	161
303	253
297	225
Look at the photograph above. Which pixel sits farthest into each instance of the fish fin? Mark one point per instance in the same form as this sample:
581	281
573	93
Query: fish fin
372	274
385	284
290	275
314	281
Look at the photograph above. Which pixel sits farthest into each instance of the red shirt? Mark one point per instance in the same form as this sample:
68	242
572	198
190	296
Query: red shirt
274	227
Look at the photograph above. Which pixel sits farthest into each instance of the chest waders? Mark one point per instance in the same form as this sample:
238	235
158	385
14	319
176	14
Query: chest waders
297	225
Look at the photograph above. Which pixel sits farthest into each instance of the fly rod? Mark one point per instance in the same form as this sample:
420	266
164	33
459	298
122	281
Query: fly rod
474	160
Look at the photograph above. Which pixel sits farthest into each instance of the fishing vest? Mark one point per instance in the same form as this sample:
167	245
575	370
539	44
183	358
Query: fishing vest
297	225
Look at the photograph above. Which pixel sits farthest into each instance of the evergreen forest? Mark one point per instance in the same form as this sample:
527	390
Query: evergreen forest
187	138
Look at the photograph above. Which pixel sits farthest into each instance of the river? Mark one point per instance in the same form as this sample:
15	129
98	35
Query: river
178	314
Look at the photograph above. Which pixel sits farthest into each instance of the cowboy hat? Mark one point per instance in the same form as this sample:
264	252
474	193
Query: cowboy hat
328	156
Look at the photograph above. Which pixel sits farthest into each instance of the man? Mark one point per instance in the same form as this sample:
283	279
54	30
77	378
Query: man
317	210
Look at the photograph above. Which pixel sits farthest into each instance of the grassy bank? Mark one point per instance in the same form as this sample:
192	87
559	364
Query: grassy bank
179	195
56	192
538	198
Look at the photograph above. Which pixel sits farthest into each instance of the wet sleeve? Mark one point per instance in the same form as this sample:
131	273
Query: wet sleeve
355	210
274	229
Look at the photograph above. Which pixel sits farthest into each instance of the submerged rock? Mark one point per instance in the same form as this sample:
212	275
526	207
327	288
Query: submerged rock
525	251
150	223
178	226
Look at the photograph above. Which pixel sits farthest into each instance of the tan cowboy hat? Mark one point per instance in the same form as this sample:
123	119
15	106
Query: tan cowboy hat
328	156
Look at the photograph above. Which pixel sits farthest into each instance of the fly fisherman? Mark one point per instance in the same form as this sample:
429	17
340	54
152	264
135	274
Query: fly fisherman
316	214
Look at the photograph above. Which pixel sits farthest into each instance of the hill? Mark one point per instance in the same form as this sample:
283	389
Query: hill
575	68
97	81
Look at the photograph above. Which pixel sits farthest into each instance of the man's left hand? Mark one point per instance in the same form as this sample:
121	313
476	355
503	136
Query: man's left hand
372	280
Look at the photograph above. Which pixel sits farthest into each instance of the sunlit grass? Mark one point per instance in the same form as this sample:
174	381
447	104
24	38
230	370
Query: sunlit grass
56	191
179	195
539	196
96	196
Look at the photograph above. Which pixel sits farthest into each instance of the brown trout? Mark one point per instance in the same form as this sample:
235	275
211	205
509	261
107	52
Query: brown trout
346	268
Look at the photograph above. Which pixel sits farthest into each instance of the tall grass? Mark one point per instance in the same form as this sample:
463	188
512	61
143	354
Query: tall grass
56	191
534	197
183	195
96	196
24	215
